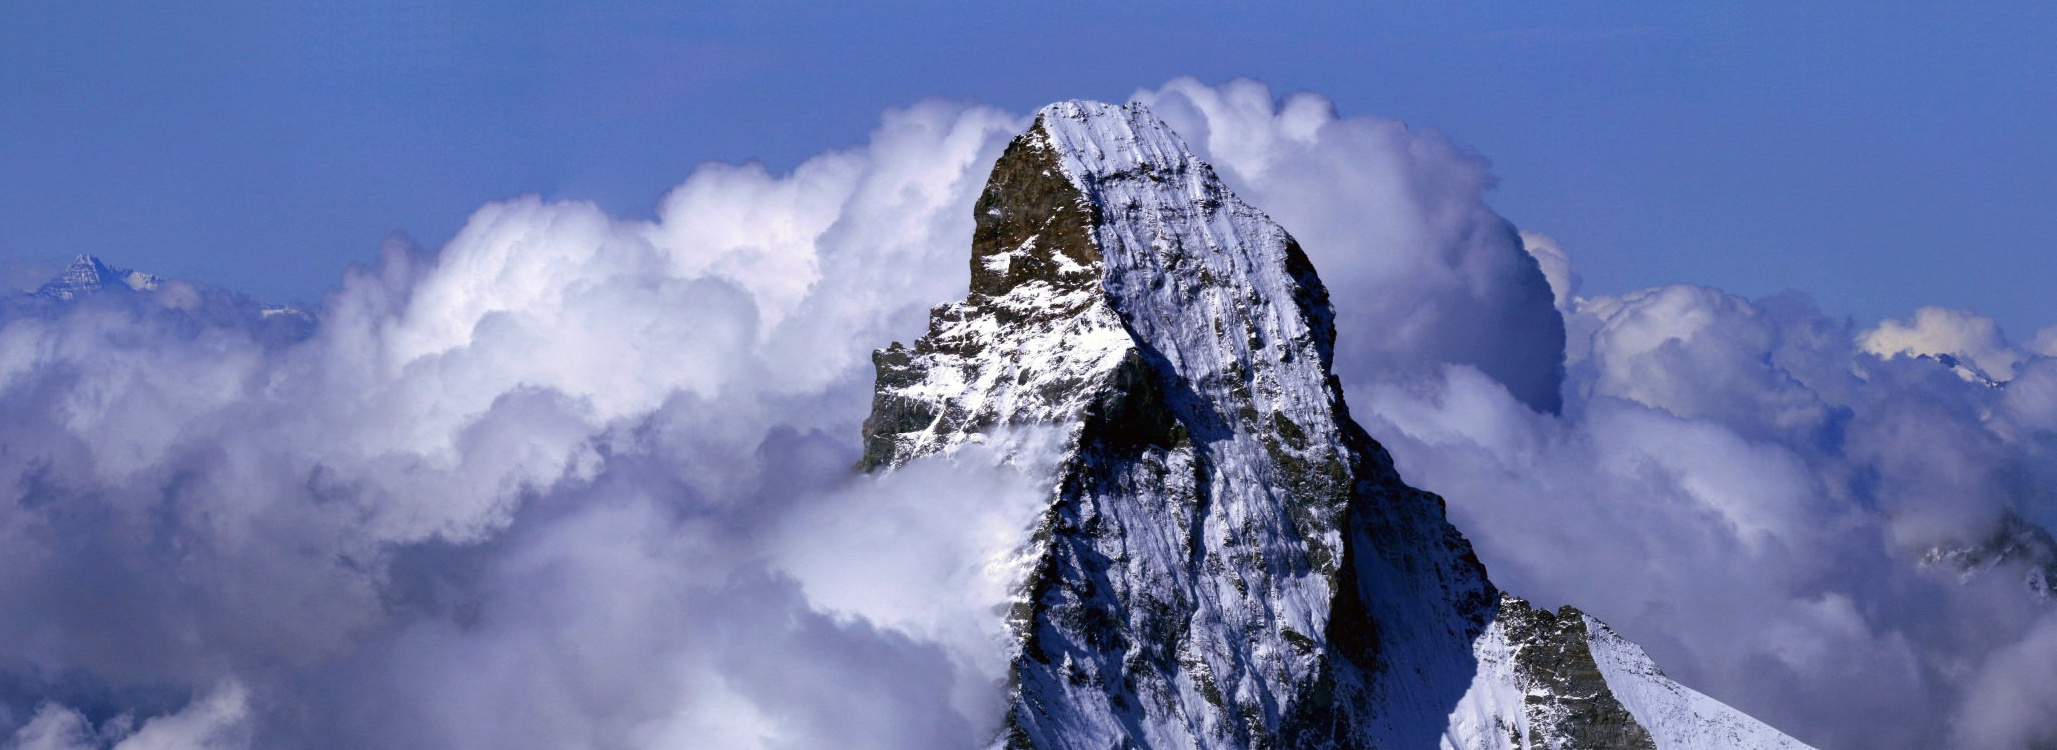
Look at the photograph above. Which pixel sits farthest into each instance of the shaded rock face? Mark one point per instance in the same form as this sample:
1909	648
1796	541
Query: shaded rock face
1227	560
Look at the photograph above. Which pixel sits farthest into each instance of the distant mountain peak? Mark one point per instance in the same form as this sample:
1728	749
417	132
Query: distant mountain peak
87	274
2016	542
183	306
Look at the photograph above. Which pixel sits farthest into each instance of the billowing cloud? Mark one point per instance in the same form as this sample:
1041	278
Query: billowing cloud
1961	335
579	481
1767	505
218	720
560	483
1555	264
2012	702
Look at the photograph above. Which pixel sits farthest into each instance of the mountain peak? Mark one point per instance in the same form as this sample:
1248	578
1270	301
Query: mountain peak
90	282
1206	574
1227	560
1097	139
88	274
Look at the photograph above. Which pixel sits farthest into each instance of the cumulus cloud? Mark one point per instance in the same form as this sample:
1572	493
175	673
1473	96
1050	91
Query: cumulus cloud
535	489
2044	342
1555	264
579	481
1943	332
216	721
2013	701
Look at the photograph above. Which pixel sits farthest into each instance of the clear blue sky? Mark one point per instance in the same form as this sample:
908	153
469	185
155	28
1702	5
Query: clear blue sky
1876	156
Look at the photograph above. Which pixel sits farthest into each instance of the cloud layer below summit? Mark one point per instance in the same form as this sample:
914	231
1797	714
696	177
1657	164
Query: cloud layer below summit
575	480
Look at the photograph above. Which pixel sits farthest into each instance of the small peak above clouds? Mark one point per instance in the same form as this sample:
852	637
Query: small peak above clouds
87	274
183	305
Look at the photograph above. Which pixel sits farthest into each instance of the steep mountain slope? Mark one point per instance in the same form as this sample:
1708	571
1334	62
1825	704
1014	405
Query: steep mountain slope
1227	559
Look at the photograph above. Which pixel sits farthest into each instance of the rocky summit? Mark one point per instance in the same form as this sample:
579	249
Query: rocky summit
1226	560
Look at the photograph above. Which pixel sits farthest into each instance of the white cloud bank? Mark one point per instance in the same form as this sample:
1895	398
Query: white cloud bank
576	481
1752	492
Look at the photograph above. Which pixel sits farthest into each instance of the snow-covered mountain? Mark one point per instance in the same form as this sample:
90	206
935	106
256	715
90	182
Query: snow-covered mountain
88	275
181	306
1227	560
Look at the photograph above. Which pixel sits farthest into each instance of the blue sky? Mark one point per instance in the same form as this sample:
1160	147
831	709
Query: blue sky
1877	156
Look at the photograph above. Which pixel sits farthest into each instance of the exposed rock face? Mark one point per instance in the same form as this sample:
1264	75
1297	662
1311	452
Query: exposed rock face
1565	681
1568	698
1227	559
1565	698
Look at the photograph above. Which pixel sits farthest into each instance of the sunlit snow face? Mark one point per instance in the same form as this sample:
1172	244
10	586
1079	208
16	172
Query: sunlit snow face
576	480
